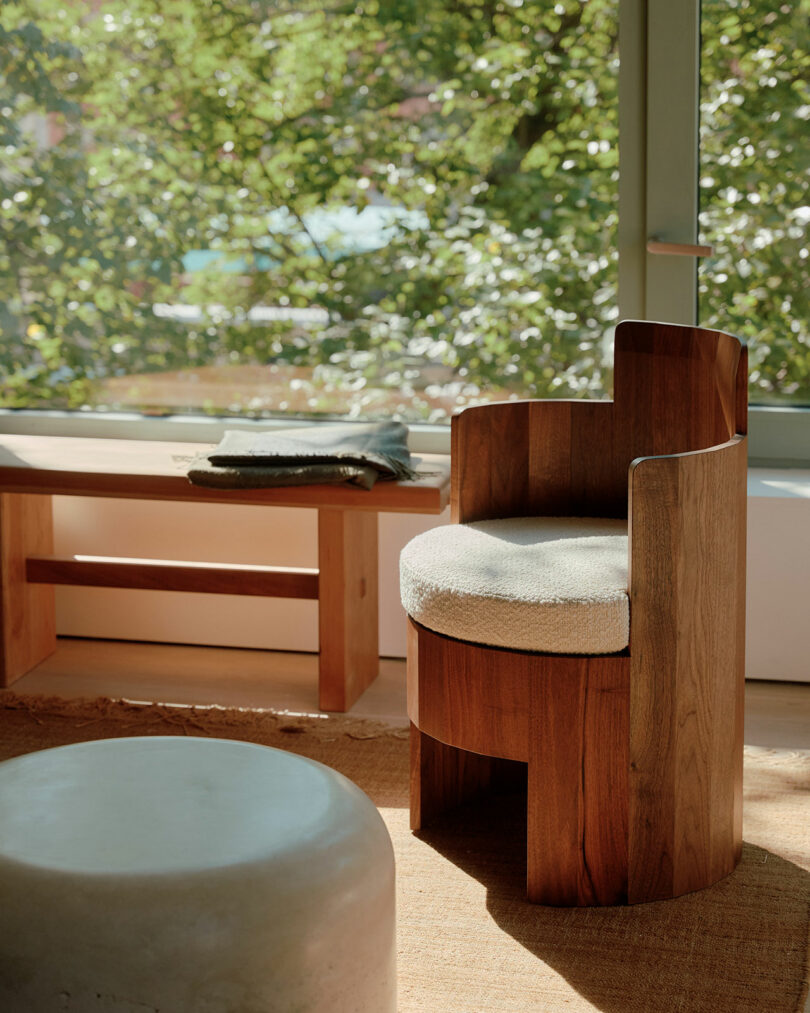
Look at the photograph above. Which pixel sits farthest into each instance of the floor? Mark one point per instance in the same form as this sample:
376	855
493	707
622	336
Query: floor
777	714
226	677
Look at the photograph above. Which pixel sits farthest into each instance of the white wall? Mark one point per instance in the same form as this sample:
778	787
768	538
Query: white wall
778	644
212	533
778	579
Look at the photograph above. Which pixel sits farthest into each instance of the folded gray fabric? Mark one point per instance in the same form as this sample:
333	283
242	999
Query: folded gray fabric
359	453
202	472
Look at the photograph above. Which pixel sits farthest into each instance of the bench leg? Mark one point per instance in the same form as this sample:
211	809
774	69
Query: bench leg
27	620
348	606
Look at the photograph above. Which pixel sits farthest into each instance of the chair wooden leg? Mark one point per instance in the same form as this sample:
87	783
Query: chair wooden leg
27	622
578	782
442	777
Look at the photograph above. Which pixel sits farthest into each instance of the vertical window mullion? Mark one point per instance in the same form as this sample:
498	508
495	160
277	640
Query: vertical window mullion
672	108
632	231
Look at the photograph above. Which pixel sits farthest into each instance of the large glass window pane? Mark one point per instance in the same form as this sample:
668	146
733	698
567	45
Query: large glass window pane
754	175
387	207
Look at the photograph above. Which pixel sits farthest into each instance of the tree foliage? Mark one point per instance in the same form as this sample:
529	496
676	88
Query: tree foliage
755	163
487	131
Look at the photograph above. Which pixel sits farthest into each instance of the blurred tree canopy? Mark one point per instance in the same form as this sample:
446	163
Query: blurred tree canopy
755	187
192	152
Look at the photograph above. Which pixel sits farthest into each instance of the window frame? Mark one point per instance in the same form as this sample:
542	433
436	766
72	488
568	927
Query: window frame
659	102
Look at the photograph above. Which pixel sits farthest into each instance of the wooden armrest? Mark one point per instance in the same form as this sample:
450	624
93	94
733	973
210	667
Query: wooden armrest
687	536
535	458
687	665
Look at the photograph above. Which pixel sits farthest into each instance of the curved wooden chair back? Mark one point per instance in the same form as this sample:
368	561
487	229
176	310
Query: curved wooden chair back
676	389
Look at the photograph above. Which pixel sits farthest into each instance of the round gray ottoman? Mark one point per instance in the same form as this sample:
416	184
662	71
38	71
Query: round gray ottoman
191	875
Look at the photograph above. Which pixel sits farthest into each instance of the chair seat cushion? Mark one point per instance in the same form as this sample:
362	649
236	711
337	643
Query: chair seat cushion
551	584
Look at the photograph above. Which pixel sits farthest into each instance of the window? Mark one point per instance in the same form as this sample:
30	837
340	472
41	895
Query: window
272	209
755	189
307	208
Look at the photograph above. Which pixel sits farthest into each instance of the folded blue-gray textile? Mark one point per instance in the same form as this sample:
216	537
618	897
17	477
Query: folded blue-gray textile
358	453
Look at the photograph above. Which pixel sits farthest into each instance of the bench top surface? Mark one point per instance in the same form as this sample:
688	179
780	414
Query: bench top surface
149	469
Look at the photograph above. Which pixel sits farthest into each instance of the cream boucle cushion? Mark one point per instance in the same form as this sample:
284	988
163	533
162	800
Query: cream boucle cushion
555	584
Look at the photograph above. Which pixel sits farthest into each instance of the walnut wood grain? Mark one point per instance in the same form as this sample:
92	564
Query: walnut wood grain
164	575
578	779
27	623
676	389
635	761
148	469
348	606
687	589
443	777
566	716
559	461
468	696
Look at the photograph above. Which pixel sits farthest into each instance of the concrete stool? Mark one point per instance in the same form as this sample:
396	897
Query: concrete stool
191	875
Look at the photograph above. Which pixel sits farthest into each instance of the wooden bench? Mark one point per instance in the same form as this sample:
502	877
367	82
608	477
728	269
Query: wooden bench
33	469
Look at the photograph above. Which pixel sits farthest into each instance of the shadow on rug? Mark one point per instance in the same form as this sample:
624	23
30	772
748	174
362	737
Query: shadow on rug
725	948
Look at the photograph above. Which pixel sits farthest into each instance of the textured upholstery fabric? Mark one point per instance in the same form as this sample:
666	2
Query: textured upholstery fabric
552	584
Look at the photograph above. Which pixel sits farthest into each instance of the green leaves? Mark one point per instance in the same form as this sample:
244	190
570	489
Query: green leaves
190	154
754	189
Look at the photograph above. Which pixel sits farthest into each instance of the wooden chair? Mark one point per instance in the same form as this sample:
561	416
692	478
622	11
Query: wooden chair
634	756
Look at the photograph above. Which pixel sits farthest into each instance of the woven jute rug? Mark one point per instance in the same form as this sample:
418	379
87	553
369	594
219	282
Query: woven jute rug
468	941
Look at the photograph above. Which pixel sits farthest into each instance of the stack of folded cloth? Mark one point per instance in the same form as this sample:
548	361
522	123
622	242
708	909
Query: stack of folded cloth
359	453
